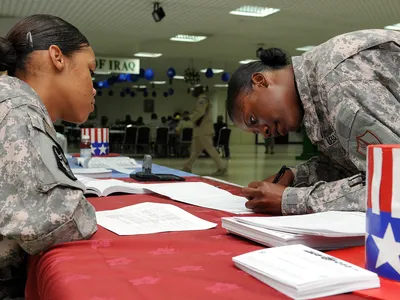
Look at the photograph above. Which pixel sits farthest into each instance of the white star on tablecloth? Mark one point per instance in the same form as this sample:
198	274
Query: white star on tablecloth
389	250
103	149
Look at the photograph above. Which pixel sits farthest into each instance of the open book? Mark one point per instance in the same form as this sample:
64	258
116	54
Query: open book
103	188
304	273
194	193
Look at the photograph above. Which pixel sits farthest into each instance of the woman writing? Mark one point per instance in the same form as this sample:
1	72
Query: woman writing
49	65
346	93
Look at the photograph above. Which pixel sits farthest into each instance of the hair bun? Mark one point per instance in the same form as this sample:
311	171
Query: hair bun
8	56
274	57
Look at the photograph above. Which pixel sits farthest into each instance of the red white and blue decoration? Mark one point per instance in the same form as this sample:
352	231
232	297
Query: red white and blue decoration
99	139
383	211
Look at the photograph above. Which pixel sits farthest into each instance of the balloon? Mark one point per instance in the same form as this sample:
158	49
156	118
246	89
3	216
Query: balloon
100	84
146	93
122	77
170	91
209	73
154	94
165	94
129	77
122	94
110	93
149	74
141	74
171	72
225	77
133	94
105	84
127	90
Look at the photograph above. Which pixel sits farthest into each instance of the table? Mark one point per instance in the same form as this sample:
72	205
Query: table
193	265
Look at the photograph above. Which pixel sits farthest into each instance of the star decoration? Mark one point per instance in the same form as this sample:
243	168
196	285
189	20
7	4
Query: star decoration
389	250
102	149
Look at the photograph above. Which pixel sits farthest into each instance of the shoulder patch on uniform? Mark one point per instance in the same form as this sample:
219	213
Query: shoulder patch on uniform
62	163
365	139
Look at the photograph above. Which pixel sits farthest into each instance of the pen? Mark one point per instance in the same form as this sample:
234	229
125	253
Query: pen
280	174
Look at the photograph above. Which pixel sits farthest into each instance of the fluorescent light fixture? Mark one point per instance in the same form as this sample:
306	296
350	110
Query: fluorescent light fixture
254	11
188	38
139	86
148	54
393	27
158	82
93	78
216	71
221	85
179	77
305	48
102	72
246	61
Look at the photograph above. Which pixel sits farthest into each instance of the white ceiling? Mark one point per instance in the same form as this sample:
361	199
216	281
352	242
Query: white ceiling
119	28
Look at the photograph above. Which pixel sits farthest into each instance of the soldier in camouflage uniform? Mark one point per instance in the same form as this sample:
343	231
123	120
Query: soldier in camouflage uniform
346	93
41	203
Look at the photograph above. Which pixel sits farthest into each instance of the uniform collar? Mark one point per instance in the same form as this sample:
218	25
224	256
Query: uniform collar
310	119
18	88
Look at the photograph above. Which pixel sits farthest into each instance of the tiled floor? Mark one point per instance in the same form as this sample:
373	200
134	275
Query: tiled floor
248	163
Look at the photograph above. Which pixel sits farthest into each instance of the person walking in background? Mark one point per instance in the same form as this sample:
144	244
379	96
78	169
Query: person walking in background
269	144
217	128
203	132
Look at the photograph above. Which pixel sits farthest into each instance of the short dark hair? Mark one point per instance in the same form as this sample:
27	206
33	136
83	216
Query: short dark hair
154	116
270	59
38	32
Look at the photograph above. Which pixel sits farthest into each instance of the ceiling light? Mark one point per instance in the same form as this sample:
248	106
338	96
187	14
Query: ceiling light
221	85
158	12
188	38
246	61
148	54
393	27
139	86
179	77
254	11
93	78
305	48
216	71
158	82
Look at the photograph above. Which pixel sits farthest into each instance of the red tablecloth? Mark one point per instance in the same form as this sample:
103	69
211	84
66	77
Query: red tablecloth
177	265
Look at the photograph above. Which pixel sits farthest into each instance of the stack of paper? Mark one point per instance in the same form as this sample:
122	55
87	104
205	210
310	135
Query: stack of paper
323	231
303	273
121	164
93	173
148	217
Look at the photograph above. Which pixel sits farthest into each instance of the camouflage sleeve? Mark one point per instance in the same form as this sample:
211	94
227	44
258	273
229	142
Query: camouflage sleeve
37	211
362	114
314	170
201	107
346	194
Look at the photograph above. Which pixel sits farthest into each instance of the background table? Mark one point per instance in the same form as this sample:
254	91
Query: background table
193	265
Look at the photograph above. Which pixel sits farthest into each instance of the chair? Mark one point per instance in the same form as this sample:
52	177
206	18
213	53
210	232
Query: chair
223	141
143	138
185	140
161	142
129	138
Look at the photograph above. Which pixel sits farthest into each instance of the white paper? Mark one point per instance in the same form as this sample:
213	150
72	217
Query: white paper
330	224
202	194
304	273
148	217
93	173
120	164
